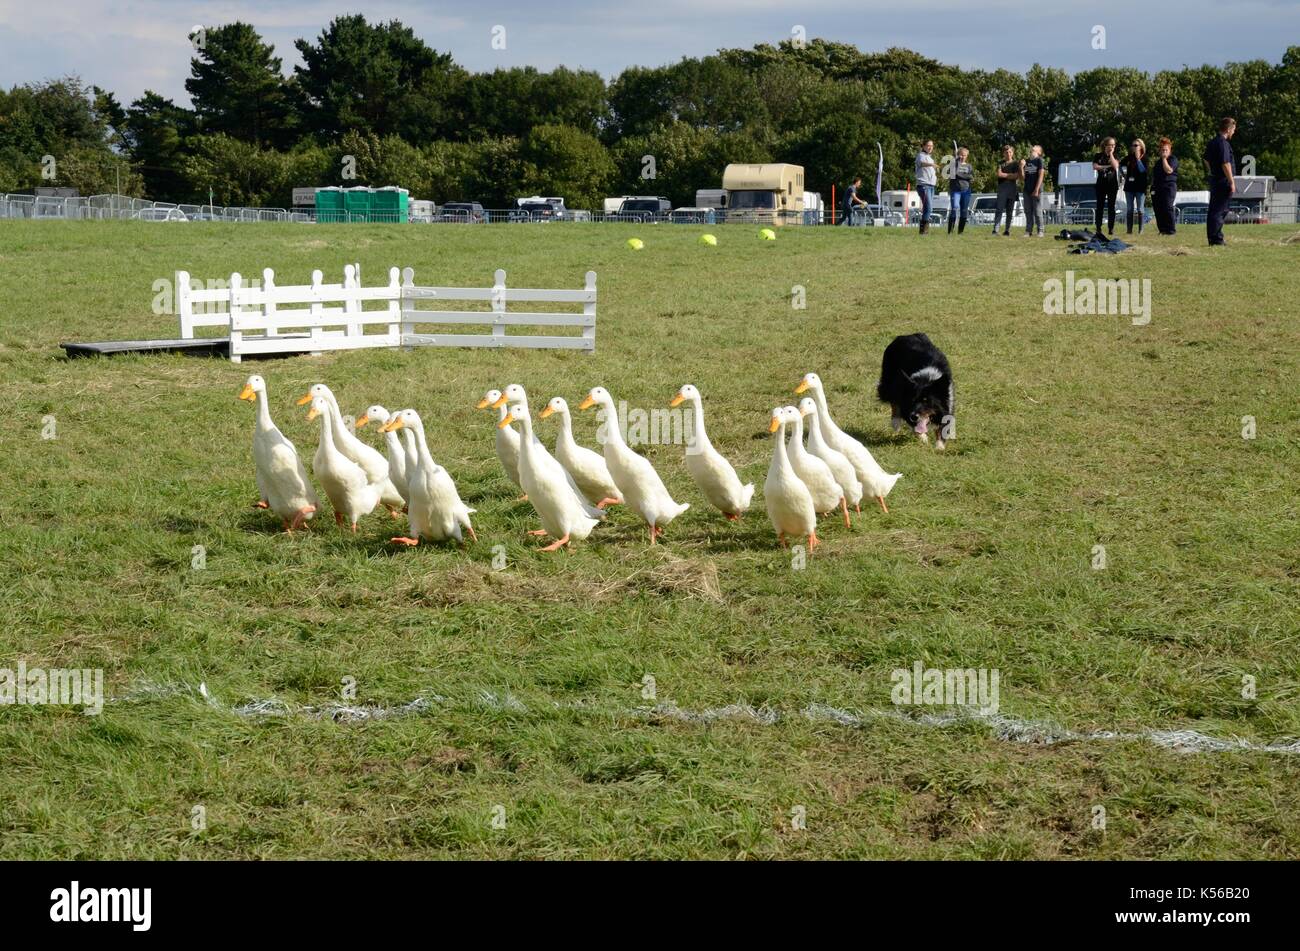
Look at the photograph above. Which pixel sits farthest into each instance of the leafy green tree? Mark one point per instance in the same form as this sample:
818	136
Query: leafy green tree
561	160
238	88
378	78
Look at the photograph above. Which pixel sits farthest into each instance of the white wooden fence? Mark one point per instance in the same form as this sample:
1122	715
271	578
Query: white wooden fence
263	317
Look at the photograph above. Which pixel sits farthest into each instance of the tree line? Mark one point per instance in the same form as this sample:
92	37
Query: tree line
373	104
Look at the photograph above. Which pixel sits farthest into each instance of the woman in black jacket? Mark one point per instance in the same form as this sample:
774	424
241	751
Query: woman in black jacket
1107	187
1135	184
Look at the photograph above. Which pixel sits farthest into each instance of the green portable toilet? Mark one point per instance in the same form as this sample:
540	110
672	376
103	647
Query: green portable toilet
390	203
329	204
356	201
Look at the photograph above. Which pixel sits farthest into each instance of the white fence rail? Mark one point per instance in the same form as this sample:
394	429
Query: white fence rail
262	317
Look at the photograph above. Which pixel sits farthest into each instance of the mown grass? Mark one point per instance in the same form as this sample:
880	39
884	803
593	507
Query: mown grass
1072	432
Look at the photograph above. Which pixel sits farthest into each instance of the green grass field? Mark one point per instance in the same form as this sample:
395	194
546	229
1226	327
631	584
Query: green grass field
1073	432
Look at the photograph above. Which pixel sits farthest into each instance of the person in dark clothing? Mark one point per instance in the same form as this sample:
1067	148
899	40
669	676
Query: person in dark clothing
1220	163
851	201
1164	186
1009	172
1106	188
1034	171
1135	184
959	191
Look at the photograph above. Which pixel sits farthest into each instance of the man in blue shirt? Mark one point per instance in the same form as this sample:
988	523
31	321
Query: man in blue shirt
1220	162
851	201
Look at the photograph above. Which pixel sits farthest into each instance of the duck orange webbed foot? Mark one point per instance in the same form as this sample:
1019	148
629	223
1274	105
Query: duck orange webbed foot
403	540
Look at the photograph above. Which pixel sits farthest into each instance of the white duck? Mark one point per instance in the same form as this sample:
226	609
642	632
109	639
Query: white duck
514	393
637	481
562	515
874	479
396	452
282	484
345	483
506	439
841	468
435	510
587	468
826	493
789	503
715	476
368	458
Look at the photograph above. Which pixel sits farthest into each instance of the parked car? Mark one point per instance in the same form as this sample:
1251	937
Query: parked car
542	211
468	212
643	209
694	216
1246	215
159	214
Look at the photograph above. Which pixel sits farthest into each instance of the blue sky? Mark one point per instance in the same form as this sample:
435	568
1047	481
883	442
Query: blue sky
130	45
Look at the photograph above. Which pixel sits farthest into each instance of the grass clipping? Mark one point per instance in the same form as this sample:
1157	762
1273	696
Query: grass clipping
673	576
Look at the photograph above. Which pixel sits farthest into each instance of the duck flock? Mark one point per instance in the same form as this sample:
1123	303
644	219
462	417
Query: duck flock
570	489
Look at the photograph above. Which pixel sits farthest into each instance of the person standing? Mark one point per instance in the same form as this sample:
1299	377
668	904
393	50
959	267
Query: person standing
1223	184
925	181
1135	184
1106	188
851	200
959	190
1009	172
1035	172
1164	186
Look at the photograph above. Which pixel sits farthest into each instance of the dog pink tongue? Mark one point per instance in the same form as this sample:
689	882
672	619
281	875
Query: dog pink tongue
922	425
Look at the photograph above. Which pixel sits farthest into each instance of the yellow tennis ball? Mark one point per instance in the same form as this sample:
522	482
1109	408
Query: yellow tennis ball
767	234
636	244
708	239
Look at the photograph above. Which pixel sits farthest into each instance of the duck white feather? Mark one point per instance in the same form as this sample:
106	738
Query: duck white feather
562	515
713	474
875	480
841	468
587	468
642	489
506	438
789	503
393	448
346	485
514	393
282	483
435	511
368	458
813	472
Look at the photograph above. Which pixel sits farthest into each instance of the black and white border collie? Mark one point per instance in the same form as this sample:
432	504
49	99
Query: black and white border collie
916	381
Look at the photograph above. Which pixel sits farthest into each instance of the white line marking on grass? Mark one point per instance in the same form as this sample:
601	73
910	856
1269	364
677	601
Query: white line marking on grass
1003	727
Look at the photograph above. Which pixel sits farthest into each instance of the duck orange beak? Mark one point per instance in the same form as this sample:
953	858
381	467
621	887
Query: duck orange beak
392	426
677	400
546	412
248	393
506	422
500	402
312	413
483	403
802	387
362	421
776	424
587	403
305	400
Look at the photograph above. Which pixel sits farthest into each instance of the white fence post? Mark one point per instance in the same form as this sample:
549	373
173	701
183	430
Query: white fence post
184	307
589	311
314	311
236	308
268	302
499	307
